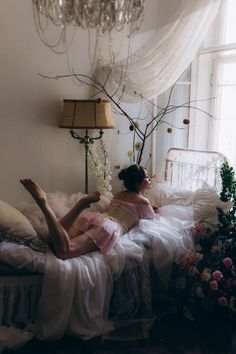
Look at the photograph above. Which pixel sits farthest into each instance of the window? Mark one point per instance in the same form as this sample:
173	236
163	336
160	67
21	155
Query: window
173	121
214	79
224	129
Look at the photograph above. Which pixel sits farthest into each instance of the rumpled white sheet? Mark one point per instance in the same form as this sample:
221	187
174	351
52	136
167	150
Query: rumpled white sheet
167	236
76	292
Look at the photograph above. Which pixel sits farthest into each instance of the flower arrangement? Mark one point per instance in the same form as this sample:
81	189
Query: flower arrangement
205	280
100	166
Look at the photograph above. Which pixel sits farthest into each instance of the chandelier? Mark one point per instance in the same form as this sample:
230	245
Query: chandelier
104	15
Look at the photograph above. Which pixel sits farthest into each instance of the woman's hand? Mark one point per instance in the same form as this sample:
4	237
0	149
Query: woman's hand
155	208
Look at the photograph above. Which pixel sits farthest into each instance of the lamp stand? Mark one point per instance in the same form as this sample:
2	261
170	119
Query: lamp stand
86	140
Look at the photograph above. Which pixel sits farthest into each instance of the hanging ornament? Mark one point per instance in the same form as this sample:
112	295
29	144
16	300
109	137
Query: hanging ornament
131	127
186	121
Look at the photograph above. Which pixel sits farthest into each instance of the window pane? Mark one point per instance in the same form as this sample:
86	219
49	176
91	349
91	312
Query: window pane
229	27
225	112
223	30
228	74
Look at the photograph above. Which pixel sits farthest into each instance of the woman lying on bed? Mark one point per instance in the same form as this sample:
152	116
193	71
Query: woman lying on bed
76	234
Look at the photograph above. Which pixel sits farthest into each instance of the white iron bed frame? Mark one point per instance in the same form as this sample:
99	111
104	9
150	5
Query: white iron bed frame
188	169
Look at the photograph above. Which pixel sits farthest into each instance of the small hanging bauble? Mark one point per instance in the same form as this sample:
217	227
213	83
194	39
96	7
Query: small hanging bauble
131	127
186	121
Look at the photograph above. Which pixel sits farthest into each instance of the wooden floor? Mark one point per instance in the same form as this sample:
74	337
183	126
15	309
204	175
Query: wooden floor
172	336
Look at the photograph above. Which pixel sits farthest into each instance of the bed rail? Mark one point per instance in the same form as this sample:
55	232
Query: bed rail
188	169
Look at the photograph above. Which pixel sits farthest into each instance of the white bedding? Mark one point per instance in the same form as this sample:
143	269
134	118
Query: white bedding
76	292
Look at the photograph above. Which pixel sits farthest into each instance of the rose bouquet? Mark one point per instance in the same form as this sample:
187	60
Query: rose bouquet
206	282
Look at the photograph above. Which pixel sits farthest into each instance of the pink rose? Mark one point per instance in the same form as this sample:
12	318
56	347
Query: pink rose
228	262
217	275
222	301
213	285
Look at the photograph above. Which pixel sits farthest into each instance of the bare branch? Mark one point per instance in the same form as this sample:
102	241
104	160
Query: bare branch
157	119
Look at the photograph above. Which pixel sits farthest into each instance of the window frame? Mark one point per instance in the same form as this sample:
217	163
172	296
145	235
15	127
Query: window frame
216	35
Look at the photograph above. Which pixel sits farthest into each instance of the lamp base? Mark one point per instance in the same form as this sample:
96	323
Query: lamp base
86	140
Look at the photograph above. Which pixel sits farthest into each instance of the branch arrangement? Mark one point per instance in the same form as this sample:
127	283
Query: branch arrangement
153	123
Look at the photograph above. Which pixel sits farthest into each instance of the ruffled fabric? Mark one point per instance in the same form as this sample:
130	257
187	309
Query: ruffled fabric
103	231
19	298
141	210
106	228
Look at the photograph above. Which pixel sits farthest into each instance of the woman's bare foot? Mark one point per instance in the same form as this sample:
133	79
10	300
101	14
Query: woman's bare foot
35	190
89	199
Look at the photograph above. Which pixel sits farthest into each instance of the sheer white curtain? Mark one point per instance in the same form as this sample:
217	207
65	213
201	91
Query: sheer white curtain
159	64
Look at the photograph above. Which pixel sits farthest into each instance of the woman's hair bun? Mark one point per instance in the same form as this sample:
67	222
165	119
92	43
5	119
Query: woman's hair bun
122	174
132	177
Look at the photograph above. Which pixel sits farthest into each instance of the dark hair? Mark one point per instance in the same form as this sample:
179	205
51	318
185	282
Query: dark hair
132	177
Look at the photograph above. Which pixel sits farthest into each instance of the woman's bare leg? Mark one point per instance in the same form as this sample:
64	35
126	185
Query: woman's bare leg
68	219
80	245
59	236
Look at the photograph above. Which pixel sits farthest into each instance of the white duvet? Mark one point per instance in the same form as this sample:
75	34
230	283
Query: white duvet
76	292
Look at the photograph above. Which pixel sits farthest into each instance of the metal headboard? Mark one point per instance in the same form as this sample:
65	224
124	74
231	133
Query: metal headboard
188	169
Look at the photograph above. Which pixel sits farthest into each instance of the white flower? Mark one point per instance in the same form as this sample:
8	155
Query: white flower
100	166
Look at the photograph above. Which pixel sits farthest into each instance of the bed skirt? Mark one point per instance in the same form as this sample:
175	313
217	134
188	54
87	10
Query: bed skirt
19	297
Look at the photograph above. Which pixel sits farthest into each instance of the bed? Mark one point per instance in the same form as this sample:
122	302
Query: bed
119	296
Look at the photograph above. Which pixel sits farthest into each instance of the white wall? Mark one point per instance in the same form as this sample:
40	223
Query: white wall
31	144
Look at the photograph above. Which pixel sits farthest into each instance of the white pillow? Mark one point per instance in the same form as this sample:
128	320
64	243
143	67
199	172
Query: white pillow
12	221
33	213
205	203
161	194
60	202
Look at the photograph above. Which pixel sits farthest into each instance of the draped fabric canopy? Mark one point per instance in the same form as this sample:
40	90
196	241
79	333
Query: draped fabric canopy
159	64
